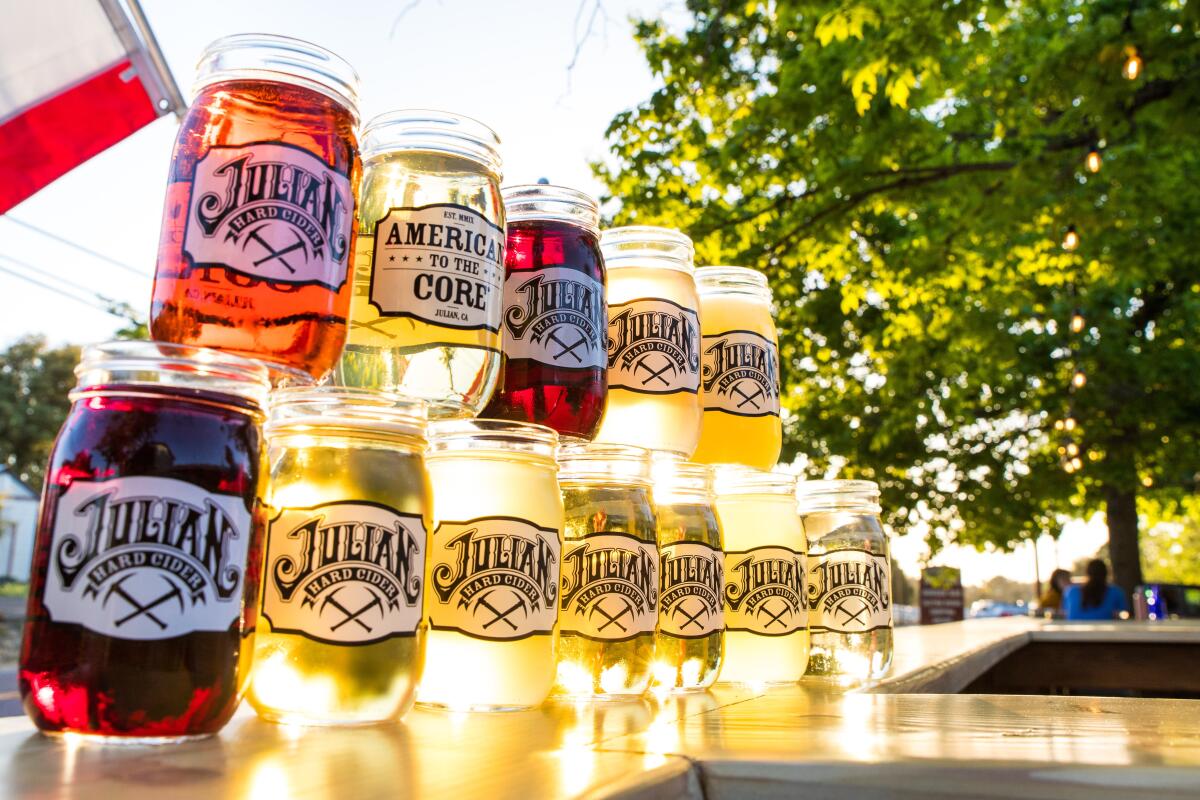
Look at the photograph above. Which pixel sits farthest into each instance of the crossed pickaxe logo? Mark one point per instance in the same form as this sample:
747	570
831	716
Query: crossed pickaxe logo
498	615
349	616
852	617
272	253
567	350
774	618
747	398
653	374
613	619
144	609
692	619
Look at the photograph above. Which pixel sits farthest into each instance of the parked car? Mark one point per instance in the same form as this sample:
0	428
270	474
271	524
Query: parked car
995	608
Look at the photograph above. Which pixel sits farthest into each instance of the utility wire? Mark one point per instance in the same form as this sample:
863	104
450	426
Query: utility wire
46	274
48	287
77	246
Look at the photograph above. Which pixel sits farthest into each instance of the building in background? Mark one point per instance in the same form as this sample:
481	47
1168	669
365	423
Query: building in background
18	523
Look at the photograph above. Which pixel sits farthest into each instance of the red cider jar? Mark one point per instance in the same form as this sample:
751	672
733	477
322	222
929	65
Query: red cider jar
555	323
258	224
142	602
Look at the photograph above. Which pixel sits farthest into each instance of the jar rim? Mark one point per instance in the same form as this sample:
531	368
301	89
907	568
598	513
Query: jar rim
346	409
738	480
604	461
635	245
843	494
548	201
432	130
677	477
285	59
491	435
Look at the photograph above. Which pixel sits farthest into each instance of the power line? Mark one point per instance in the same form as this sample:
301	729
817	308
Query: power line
77	246
48	287
46	274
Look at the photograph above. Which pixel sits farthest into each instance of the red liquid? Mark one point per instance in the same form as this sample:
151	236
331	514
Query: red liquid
73	678
568	399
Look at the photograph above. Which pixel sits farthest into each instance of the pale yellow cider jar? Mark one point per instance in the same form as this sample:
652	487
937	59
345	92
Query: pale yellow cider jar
429	262
653	340
494	562
340	635
766	615
739	369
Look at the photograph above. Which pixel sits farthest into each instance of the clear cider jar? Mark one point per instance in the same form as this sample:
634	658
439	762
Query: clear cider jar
493	567
739	369
341	639
690	645
653	340
849	580
766	616
429	264
609	595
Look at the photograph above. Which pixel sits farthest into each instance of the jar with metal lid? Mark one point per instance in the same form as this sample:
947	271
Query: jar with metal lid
653	340
429	268
555	314
493	566
739	369
766	616
849	580
144	586
609	598
340	638
691	619
258	223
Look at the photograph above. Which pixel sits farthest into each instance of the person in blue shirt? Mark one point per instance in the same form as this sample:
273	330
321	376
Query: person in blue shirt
1095	600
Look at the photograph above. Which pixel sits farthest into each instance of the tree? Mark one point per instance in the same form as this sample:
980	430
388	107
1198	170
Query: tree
905	172
34	381
1171	547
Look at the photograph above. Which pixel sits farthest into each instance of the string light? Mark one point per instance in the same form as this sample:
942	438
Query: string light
1078	379
1072	449
1093	162
1077	322
1059	425
1132	67
1069	423
1070	239
1077	463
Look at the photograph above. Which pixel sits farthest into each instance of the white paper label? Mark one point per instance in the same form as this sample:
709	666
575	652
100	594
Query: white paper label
653	347
740	374
556	316
270	211
764	591
691	584
442	264
609	587
494	578
147	558
344	572
850	591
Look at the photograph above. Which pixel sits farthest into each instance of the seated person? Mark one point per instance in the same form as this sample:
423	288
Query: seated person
1095	600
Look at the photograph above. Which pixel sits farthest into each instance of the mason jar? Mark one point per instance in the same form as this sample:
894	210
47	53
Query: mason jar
739	369
609	597
653	341
258	222
766	616
691	620
340	639
849	580
493	566
429	267
144	587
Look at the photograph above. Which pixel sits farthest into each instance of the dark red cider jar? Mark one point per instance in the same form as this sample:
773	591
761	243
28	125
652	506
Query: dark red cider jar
555	324
146	566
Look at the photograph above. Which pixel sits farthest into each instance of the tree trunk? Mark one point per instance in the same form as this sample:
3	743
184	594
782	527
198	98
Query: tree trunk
1121	509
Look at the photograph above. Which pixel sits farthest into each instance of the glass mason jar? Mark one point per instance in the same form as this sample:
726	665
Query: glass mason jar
739	369
766	617
144	587
340	639
258	223
493	566
555	315
849	580
429	267
653	341
609	598
691	618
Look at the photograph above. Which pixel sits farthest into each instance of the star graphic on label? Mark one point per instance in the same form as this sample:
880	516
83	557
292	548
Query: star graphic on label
418	259
406	258
391	258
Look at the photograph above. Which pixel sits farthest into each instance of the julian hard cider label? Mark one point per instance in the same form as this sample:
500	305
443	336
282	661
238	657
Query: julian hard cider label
740	374
494	578
653	347
270	211
344	572
442	264
147	558
691	585
850	591
557	316
609	587
764	591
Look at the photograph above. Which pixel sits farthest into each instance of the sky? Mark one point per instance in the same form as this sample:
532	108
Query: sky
503	62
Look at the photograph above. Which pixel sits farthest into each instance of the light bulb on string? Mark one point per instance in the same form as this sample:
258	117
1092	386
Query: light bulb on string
1132	67
1070	239
1093	161
1072	449
1077	322
1078	380
1059	424
1069	466
1069	423
1077	463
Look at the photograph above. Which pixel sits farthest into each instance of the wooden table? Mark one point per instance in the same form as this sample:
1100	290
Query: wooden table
893	740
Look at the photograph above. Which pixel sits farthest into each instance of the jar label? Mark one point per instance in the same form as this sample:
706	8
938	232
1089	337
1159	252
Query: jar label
609	587
653	347
764	591
270	211
494	578
691	586
442	264
344	572
740	374
850	591
147	558
556	316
